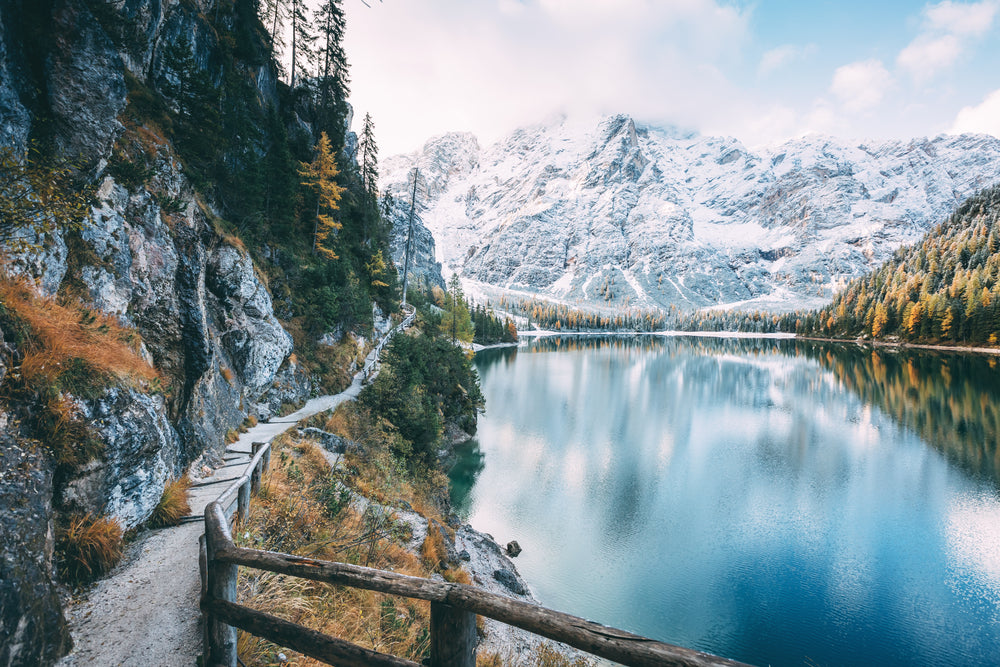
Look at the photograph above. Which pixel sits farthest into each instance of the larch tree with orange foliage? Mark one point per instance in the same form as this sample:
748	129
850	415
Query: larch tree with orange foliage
321	175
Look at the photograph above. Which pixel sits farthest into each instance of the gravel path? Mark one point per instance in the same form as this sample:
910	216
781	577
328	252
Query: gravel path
146	611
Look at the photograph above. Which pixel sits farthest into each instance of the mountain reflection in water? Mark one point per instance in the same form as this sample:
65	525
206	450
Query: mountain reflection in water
774	501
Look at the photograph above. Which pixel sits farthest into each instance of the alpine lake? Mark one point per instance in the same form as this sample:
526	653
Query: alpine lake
773	501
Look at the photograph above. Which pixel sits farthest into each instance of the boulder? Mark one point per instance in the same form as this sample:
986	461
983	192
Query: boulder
513	549
510	581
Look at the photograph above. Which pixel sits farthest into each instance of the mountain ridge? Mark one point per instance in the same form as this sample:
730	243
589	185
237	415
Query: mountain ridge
623	214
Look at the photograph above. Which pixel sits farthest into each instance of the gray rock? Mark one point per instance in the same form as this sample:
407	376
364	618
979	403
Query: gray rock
510	581
141	452
330	441
464	555
32	628
513	549
251	336
86	85
15	122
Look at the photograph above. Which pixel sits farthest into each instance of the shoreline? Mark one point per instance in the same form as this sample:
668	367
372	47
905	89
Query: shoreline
547	333
667	333
906	346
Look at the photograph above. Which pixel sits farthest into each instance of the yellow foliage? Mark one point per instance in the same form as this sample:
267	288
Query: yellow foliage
321	174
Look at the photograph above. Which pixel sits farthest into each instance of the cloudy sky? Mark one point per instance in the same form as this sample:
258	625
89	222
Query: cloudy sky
761	70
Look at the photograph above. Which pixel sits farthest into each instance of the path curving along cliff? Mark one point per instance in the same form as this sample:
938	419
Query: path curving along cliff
146	612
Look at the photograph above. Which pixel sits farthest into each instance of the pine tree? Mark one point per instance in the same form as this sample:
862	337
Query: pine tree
197	102
333	79
321	174
368	152
302	42
457	322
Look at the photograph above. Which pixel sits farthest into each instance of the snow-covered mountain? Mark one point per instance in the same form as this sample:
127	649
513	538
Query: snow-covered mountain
623	214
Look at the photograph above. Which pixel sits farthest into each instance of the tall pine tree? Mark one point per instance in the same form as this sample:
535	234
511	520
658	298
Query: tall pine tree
333	80
302	44
368	158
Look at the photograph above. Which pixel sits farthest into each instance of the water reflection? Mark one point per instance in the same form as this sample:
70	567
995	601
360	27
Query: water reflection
770	500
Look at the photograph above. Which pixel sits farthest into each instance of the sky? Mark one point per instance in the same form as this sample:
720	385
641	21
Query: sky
758	70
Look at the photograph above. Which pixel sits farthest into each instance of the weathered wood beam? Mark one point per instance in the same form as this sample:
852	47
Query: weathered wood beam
222	576
303	640
453	636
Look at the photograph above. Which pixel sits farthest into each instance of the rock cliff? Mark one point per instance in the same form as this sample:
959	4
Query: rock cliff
150	253
619	214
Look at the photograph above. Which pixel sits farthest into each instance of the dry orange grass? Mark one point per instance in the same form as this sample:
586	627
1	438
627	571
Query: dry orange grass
173	504
88	547
67	342
298	510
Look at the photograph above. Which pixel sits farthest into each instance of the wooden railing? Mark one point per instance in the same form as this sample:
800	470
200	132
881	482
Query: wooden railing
370	366
453	606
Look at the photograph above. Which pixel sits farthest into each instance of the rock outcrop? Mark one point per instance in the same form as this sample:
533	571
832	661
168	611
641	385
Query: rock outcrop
621	214
151	253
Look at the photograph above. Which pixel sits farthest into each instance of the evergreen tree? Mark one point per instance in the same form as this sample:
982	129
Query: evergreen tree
196	99
457	323
302	44
321	175
368	152
333	80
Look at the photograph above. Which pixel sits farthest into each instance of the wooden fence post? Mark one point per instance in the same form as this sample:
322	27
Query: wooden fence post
266	460
242	502
255	473
221	647
453	636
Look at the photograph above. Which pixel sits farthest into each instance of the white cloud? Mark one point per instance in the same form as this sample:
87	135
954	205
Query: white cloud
961	18
491	67
780	56
926	56
984	117
860	86
948	30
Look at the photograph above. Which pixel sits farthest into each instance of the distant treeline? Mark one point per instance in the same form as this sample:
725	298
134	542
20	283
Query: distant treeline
560	317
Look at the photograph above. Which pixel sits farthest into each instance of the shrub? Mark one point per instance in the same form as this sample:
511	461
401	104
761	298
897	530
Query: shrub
173	504
88	547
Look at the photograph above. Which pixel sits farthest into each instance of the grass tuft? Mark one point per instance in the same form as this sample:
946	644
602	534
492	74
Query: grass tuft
88	547
173	505
69	347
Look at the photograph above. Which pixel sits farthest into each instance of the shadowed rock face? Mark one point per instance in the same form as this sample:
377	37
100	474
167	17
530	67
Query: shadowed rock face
32	629
617	214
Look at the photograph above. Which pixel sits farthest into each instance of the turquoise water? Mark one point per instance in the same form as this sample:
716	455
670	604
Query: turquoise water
775	502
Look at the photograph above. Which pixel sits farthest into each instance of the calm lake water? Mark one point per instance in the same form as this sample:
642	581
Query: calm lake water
772	501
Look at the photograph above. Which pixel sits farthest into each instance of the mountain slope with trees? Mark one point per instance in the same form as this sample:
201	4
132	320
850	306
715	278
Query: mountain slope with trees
945	289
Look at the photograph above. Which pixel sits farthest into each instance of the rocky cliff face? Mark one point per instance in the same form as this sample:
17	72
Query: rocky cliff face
151	254
621	214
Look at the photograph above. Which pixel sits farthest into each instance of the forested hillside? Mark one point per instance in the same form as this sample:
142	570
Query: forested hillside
946	289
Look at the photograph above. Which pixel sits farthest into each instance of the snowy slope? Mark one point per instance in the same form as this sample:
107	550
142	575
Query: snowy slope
619	214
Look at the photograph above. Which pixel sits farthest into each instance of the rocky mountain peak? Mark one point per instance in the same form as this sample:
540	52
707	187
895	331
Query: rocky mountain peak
619	214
